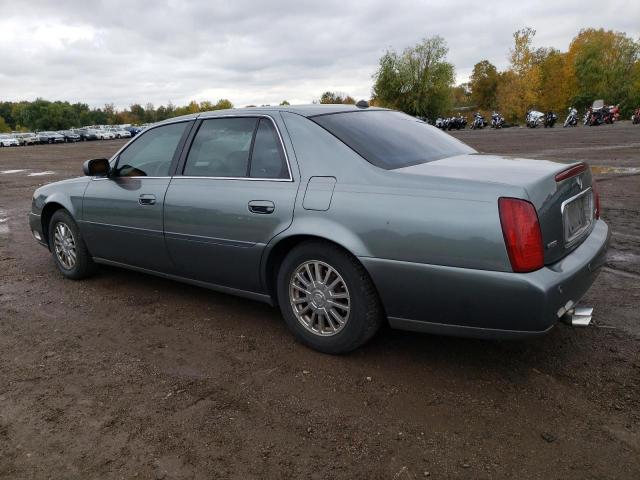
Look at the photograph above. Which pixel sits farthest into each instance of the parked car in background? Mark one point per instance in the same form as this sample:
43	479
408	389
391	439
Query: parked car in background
27	138
70	136
133	130
86	134
50	137
120	132
104	134
8	140
345	216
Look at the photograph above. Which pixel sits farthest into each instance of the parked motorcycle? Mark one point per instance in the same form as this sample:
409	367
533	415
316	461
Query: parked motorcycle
550	119
534	118
572	118
457	123
497	120
598	116
478	121
635	118
442	123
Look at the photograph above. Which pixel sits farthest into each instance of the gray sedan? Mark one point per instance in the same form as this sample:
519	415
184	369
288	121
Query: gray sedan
345	217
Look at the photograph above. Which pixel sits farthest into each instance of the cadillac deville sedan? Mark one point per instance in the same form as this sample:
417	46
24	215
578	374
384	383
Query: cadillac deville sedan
343	216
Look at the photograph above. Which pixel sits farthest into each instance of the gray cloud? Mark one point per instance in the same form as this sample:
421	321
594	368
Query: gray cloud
258	52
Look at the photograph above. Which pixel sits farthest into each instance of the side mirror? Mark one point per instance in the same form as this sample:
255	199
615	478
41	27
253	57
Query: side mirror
98	167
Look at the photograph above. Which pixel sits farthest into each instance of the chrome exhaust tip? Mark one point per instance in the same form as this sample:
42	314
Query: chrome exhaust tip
578	316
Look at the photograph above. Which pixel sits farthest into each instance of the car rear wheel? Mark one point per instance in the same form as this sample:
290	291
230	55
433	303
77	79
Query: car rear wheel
327	298
68	248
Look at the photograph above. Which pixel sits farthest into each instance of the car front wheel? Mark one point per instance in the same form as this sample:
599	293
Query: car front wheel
327	298
67	247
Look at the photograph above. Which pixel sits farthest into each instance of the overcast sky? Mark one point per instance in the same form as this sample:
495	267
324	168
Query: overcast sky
259	52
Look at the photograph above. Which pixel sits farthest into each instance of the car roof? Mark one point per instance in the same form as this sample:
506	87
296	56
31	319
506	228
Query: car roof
304	110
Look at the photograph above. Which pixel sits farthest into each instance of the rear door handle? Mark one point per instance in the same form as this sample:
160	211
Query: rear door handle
263	207
147	199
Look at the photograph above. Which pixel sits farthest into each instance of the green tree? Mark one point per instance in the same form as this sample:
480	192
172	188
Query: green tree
284	103
601	64
330	97
223	104
483	84
4	127
417	81
554	89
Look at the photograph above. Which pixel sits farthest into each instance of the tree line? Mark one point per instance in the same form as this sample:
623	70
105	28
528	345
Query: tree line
599	64
420	81
46	115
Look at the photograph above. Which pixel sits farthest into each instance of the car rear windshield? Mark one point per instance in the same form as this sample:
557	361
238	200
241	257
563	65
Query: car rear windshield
389	139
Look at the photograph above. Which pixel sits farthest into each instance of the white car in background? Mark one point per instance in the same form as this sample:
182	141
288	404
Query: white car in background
9	141
27	138
104	134
120	132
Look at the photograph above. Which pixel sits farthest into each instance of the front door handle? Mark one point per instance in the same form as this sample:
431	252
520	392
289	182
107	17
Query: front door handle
263	207
147	199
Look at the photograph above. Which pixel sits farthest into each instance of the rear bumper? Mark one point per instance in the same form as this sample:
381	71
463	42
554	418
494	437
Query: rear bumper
486	304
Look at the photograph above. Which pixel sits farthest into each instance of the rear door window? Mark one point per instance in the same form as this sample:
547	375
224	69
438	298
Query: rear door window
267	158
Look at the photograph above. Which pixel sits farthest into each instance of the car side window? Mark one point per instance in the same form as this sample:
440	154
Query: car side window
221	148
267	157
151	154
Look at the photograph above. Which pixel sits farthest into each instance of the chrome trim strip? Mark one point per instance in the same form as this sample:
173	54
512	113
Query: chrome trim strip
130	178
569	242
176	177
571	199
255	115
235	178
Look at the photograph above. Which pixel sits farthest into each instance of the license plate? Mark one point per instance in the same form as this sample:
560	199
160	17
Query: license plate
577	215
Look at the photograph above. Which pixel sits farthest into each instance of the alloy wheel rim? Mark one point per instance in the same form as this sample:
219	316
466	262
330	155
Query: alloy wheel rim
320	298
65	245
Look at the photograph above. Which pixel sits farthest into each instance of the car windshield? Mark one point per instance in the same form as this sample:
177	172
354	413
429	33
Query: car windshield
391	139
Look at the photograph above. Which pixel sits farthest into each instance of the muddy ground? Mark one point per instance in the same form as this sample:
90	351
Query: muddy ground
130	376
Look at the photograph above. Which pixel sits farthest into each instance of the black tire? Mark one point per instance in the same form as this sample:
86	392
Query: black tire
366	314
84	265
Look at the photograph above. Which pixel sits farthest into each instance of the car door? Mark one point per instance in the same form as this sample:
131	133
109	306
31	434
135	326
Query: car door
236	192
122	214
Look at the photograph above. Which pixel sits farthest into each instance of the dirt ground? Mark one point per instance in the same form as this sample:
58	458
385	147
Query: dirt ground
130	376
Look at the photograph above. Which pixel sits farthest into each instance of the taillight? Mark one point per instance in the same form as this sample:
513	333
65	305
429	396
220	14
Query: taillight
596	200
522	234
571	172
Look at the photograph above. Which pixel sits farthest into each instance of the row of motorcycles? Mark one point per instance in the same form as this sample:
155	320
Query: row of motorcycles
597	114
451	123
460	122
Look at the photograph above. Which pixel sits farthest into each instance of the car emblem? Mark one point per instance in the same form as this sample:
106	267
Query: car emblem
579	182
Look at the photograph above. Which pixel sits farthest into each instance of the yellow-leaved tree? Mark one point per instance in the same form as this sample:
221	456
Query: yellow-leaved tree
519	85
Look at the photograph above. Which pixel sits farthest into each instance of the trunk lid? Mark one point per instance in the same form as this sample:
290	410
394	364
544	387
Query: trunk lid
565	206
